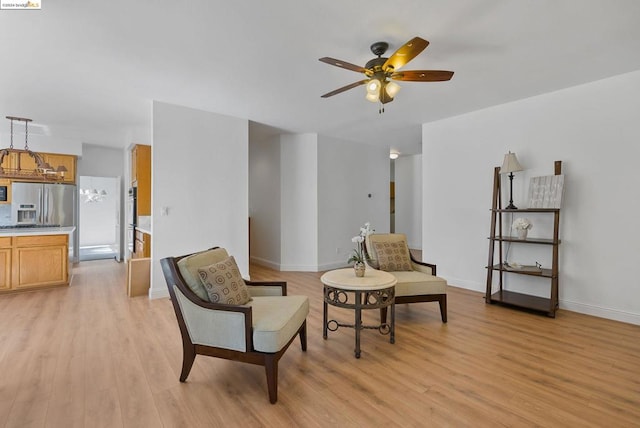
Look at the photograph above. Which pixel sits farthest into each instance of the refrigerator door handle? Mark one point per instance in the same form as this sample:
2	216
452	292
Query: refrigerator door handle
47	197
41	199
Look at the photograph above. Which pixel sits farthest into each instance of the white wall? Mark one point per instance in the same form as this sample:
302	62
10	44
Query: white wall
348	173
264	201
408	182
594	130
200	174
41	143
99	221
106	162
299	202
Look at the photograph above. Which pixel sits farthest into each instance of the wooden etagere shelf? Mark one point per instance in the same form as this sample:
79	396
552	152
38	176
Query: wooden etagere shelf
497	240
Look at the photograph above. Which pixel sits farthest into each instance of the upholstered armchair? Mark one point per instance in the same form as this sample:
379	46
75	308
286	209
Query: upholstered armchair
417	281
257	332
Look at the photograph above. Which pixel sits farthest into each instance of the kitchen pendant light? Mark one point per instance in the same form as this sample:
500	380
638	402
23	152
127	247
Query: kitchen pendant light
42	169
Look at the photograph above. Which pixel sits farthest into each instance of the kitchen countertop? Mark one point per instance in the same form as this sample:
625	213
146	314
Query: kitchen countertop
144	224
143	230
37	231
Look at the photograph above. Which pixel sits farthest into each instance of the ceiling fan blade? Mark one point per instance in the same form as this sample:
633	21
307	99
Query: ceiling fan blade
423	75
406	53
345	88
343	64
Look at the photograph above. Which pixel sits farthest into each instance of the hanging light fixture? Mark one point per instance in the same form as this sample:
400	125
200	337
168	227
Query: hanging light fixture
42	169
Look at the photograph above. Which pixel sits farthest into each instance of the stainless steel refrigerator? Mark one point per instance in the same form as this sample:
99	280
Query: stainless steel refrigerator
47	204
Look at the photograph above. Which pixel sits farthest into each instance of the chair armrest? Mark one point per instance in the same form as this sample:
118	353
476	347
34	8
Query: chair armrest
423	267
267	288
213	324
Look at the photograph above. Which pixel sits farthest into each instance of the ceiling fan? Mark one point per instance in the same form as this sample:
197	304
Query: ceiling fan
380	72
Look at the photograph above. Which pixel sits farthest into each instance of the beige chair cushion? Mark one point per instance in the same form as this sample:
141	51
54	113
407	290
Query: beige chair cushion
276	319
223	283
416	283
188	267
393	256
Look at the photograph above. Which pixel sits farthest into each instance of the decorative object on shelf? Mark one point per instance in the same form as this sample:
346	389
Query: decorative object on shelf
522	226
510	165
42	170
358	255
546	191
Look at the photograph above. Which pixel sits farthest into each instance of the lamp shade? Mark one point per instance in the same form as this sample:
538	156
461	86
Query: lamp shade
510	164
392	89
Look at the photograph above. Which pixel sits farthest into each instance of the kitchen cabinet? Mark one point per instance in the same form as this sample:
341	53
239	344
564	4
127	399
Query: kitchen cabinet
40	260
33	261
142	245
5	263
68	161
21	160
141	177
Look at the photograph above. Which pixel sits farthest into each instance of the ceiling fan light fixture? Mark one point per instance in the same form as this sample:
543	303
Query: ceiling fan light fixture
373	87
372	97
392	89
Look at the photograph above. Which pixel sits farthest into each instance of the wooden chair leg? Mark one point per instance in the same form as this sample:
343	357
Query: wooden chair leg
383	315
188	356
303	336
443	307
271	367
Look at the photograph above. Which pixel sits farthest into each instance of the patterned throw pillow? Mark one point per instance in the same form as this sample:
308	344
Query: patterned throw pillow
393	256
224	284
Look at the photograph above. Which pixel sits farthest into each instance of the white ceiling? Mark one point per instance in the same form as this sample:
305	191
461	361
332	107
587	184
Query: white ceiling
89	70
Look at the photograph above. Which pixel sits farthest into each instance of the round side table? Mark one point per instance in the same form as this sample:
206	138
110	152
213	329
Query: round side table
343	289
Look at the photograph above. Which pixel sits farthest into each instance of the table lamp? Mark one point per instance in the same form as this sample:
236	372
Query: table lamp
510	165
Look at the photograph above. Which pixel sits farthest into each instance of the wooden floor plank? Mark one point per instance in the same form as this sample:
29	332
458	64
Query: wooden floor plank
87	355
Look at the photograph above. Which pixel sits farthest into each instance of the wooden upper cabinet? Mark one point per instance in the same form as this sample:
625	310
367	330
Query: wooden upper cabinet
21	160
68	161
141	177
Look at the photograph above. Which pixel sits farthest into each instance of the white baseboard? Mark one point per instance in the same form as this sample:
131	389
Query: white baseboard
331	266
581	308
464	283
158	293
265	263
598	311
299	268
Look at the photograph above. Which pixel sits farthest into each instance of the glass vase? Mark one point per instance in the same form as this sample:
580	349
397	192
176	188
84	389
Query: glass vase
359	268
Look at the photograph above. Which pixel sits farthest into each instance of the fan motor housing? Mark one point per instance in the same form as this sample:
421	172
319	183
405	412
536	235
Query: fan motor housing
375	64
379	48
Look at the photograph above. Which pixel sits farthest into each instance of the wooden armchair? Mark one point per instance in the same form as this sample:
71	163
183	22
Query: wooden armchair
258	332
417	281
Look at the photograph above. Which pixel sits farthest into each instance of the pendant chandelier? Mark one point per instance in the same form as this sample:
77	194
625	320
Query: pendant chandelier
14	168
93	195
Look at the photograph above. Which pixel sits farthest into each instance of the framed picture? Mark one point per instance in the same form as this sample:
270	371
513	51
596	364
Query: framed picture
546	191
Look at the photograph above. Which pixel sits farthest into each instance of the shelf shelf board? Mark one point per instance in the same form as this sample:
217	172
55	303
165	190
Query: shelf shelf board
526	241
546	273
512	298
527	210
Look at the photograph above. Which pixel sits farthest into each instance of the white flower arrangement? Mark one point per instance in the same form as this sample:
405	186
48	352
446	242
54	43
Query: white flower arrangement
521	224
358	255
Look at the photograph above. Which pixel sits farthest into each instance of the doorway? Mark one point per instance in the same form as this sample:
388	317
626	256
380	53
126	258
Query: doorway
99	218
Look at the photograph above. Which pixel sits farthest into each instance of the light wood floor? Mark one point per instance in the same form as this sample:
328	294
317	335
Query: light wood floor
88	356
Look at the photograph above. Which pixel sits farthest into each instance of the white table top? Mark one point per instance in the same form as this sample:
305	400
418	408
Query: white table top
346	279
